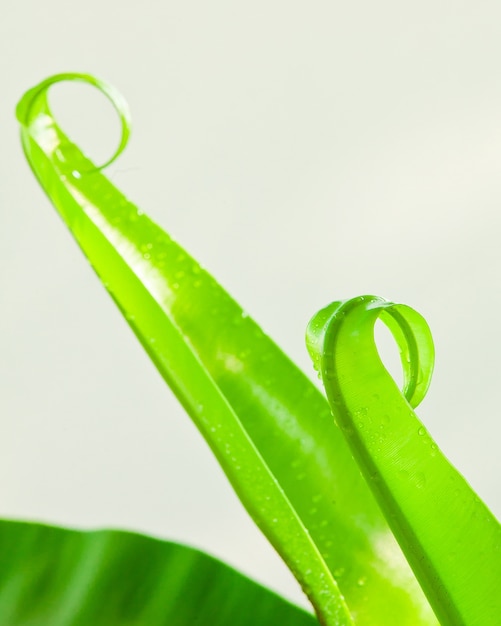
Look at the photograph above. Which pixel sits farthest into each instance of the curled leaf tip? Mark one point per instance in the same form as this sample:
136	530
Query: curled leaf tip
33	108
431	509
409	329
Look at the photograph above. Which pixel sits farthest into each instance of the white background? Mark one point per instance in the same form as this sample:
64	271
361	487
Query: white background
303	152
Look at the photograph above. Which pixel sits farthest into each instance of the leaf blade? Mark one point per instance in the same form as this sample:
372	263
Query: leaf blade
219	363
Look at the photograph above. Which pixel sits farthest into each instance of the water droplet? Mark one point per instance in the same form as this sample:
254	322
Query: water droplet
421	431
348	430
361	581
420	480
60	155
329	372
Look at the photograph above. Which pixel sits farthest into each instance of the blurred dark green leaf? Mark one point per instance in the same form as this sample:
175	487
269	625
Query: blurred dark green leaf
55	577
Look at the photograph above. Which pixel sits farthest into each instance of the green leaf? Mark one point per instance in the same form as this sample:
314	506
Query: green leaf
56	577
449	536
269	427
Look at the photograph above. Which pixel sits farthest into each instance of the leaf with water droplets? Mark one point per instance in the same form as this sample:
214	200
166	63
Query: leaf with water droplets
411	479
252	395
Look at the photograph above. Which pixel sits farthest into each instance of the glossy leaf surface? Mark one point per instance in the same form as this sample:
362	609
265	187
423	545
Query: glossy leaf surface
56	577
449	536
269	427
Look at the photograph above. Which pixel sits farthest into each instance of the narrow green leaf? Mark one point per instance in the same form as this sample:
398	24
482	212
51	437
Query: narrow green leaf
56	577
269	427
450	538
